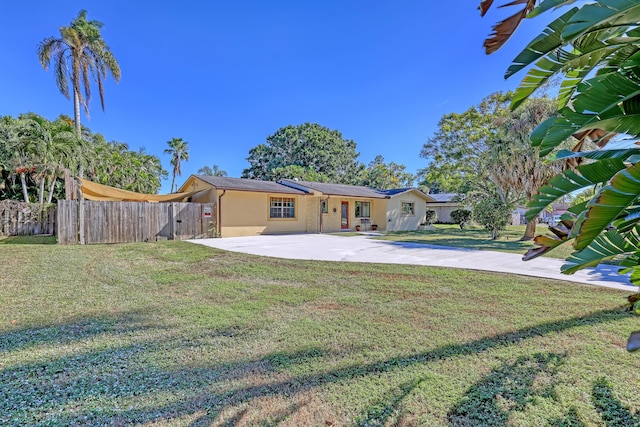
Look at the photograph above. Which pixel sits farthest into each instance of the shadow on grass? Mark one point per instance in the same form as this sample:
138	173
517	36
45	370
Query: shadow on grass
28	240
610	408
69	332
102	386
507	389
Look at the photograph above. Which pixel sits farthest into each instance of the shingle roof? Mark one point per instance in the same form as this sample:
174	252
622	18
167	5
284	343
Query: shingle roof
336	189
242	184
394	191
443	197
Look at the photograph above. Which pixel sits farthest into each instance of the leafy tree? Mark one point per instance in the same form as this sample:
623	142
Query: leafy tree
309	145
461	217
120	167
486	151
458	150
37	151
19	151
493	214
299	172
381	175
79	54
594	48
179	152
215	171
513	164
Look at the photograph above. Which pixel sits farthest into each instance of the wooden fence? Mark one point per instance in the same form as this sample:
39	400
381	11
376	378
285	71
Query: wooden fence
26	219
89	222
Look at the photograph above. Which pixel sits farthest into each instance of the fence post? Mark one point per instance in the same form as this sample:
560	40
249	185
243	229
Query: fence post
81	220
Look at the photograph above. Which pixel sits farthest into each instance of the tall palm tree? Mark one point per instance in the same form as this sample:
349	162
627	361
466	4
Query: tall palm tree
215	171
179	151
79	53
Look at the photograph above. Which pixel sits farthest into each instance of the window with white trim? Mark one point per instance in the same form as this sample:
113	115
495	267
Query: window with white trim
363	210
408	208
282	207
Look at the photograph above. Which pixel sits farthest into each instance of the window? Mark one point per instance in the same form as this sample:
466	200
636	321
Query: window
408	208
363	209
282	207
325	206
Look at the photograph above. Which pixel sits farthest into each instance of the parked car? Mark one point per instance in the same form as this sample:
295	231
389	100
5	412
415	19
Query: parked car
555	220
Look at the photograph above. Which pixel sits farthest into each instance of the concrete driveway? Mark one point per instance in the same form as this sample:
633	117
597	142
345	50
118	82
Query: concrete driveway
364	248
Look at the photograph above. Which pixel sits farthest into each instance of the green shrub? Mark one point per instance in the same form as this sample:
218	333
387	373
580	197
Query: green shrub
430	217
493	215
461	217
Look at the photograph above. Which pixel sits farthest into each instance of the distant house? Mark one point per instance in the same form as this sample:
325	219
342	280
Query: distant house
248	207
406	208
444	204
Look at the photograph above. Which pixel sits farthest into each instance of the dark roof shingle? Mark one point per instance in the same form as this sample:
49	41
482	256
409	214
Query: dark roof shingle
243	184
336	189
443	197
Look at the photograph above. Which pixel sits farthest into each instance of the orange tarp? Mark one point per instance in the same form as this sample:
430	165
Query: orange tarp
94	191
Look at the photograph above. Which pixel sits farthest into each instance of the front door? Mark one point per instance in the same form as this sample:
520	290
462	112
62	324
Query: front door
344	215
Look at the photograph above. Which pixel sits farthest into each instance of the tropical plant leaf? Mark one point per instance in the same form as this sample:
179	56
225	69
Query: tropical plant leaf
613	96
548	5
570	181
622	154
484	6
610	13
548	41
608	204
630	220
503	30
543	245
605	246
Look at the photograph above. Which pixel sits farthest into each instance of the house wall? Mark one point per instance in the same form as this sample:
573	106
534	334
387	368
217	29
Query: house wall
443	210
245	213
396	221
331	220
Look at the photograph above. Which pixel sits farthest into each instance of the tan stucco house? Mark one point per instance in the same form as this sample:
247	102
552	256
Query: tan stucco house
444	204
247	207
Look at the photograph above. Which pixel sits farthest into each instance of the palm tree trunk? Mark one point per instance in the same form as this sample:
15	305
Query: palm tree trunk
41	191
173	180
51	188
76	112
25	193
530	231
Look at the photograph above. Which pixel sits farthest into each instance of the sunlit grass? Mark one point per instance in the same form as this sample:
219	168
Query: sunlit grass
179	334
475	237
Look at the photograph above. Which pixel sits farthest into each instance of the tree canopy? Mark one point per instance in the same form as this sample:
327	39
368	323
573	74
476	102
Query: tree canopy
34	152
485	152
212	171
310	146
457	152
593	48
381	175
79	54
179	152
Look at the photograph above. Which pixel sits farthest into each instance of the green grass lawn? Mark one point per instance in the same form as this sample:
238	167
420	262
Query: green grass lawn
475	237
173	333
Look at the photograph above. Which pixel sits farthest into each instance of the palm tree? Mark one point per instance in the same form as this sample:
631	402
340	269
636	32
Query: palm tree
215	171
179	151
79	53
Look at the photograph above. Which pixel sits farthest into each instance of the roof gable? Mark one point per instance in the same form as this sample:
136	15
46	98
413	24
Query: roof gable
398	191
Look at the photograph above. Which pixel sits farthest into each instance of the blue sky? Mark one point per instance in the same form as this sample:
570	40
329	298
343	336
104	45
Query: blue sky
225	75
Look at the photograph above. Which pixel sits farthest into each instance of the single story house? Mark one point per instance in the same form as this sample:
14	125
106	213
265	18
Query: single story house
247	207
444	204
